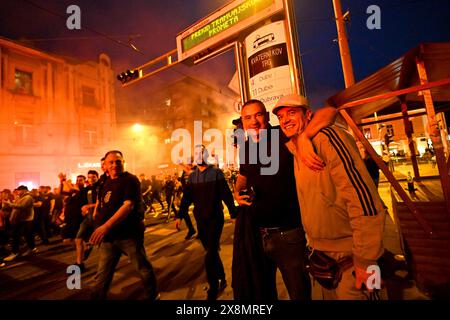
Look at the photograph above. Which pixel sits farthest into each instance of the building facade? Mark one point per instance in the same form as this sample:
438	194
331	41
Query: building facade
392	131
55	115
186	104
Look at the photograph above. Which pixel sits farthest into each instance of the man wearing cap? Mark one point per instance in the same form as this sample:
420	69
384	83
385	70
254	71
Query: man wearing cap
272	199
21	219
342	213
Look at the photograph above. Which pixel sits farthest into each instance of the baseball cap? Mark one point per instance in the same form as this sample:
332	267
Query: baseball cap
292	101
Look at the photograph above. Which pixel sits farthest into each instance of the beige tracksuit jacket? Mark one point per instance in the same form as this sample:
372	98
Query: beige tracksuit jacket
340	206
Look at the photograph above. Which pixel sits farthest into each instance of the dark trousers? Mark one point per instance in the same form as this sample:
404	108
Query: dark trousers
188	221
109	257
170	199
285	250
156	195
42	223
23	229
209	233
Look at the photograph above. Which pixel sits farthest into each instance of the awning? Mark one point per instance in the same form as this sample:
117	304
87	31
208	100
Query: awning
400	74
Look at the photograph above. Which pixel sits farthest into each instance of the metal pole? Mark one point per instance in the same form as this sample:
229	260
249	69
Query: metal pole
344	49
240	66
435	134
408	131
416	213
293	48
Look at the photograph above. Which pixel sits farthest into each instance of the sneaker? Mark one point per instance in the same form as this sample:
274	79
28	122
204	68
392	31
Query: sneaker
11	257
189	235
87	252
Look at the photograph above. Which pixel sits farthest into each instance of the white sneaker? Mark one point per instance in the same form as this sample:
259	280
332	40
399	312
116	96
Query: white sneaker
11	257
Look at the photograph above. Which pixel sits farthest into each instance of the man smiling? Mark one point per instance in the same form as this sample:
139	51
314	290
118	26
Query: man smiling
121	228
342	213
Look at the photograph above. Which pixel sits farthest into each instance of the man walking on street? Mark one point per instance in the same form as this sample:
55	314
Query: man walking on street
206	188
21	219
121	228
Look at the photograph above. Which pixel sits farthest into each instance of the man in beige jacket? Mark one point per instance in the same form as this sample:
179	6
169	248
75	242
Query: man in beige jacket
342	213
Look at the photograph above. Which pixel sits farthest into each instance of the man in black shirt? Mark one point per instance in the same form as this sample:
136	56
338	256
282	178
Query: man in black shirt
87	225
271	193
121	229
206	188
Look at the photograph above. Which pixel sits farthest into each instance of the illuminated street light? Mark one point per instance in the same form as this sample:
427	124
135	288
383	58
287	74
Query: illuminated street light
137	128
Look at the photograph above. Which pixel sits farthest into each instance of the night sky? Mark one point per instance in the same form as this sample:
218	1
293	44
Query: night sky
404	24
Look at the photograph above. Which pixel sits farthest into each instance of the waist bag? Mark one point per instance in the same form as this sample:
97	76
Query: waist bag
326	270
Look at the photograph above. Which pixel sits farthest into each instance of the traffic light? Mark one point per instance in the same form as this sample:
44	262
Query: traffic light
129	75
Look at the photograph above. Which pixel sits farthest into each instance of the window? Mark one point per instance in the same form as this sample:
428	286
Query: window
367	133
90	136
390	130
24	133
23	82
88	96
29	179
205	112
24	129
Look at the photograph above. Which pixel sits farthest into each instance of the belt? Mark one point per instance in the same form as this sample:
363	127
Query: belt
275	230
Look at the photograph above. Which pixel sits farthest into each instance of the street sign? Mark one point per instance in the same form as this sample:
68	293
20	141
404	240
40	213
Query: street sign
223	25
269	72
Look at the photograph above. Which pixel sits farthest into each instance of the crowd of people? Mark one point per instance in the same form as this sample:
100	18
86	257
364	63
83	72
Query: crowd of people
321	203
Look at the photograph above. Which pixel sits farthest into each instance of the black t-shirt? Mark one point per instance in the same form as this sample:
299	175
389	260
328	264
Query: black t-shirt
156	186
275	203
58	202
74	203
38	210
145	184
112	196
46	203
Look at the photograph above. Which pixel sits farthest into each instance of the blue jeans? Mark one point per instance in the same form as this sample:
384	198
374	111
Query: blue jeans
285	250
109	256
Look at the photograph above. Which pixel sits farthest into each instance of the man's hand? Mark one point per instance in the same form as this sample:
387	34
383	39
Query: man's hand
242	200
307	154
361	276
85	209
177	224
99	234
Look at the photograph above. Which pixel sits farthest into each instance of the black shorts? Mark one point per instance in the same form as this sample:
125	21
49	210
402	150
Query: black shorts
87	227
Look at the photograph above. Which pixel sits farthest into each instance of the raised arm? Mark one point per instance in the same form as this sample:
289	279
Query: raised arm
322	118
